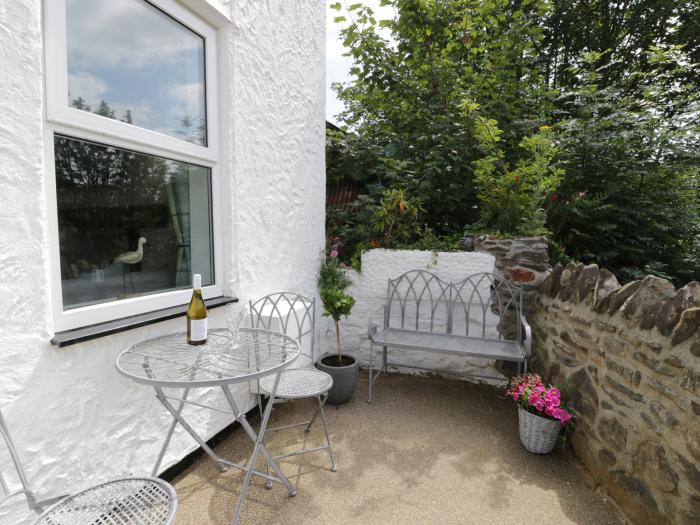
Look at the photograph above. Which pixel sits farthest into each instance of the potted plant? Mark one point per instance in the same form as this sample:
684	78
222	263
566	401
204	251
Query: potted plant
343	368
541	412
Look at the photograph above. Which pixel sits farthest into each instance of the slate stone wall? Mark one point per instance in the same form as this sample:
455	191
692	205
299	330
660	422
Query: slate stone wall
633	352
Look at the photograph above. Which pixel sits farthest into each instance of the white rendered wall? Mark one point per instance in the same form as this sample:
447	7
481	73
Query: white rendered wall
369	289
74	419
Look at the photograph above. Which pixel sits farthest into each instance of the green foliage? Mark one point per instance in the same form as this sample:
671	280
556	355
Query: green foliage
631	152
331	276
336	303
404	105
512	199
332	283
616	177
396	218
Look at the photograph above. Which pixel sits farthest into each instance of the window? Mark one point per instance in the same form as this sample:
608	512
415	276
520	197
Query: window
131	98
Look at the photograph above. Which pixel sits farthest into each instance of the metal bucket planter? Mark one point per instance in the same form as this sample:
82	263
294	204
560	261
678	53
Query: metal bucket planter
344	374
538	434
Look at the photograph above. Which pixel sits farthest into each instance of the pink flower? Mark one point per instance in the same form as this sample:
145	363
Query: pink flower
549	410
553	392
539	405
334	253
563	416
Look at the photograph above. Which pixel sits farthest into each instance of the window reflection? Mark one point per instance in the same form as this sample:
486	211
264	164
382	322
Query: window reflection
129	61
129	223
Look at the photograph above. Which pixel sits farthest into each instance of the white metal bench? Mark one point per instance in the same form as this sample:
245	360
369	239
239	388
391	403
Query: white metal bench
424	313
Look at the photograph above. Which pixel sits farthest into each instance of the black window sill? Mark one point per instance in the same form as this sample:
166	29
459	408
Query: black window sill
85	333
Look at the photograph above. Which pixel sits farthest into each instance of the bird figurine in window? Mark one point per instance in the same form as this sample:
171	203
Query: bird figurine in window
130	258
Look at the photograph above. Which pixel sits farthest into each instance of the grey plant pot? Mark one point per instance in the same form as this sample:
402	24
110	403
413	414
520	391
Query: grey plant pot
344	377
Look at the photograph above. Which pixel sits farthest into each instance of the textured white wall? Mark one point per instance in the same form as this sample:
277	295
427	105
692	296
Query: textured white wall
75	420
369	289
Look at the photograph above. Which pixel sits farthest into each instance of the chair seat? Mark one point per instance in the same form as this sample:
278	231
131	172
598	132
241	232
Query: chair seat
136	501
298	383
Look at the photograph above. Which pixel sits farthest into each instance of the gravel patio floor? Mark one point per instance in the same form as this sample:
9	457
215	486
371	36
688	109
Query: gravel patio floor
427	450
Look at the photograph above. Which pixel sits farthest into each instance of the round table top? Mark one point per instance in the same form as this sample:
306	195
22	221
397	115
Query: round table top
227	357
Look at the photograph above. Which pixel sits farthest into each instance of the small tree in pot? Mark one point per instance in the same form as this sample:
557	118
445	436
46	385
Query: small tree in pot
332	283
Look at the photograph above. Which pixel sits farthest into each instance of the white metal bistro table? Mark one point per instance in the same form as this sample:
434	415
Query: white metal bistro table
228	357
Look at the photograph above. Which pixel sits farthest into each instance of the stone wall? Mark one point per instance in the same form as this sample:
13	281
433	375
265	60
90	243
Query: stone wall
632	352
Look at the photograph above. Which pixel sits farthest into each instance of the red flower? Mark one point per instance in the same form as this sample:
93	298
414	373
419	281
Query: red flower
517	179
553	198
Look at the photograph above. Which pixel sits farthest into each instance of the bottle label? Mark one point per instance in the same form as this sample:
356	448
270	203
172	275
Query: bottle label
198	329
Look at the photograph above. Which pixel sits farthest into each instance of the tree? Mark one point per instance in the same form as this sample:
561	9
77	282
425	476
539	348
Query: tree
404	103
614	84
631	154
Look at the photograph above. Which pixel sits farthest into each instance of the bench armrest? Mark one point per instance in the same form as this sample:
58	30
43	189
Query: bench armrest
373	327
527	337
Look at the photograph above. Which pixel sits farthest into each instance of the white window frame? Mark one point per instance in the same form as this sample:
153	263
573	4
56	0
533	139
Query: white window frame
62	119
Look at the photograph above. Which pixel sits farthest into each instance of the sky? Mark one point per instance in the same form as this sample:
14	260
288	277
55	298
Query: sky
154	69
338	66
159	76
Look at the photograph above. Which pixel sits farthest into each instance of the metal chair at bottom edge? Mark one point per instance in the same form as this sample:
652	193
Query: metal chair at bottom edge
136	501
294	315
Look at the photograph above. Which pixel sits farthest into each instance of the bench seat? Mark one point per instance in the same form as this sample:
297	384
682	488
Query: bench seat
462	345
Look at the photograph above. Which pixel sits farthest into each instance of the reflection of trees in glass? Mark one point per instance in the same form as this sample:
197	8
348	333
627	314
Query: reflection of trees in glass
107	197
195	129
192	128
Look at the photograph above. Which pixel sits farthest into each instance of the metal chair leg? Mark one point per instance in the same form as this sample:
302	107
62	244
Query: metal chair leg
308	427
371	364
325	429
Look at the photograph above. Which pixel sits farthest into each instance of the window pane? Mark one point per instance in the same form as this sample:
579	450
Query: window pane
129	61
129	224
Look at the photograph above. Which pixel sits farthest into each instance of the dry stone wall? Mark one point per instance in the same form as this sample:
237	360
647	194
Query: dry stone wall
632	352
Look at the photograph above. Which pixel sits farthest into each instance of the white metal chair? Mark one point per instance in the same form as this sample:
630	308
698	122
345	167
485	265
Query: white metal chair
294	315
133	501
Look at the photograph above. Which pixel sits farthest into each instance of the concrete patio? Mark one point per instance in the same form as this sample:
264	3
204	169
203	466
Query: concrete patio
428	450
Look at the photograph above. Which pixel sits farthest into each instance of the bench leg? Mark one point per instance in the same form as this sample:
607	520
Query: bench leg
385	361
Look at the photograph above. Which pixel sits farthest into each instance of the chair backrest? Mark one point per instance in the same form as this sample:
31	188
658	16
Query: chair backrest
15	465
420	300
289	313
483	300
417	300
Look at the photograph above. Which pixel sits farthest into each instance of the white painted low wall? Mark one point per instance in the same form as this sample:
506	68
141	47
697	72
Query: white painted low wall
369	289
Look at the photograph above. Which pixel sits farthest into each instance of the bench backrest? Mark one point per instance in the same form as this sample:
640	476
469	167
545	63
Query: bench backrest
474	297
417	300
420	300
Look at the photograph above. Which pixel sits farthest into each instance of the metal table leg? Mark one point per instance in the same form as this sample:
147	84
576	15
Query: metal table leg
176	414
240	417
258	446
154	473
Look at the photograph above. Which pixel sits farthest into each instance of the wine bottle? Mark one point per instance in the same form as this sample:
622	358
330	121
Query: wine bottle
196	314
